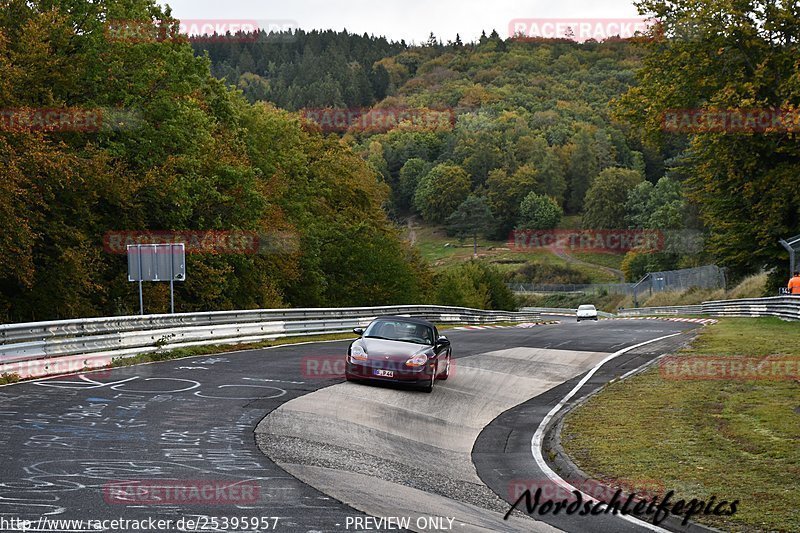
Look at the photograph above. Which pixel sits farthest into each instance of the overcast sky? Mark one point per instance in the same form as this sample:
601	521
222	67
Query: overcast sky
412	20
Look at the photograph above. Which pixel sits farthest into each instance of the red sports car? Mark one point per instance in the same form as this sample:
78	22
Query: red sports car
400	350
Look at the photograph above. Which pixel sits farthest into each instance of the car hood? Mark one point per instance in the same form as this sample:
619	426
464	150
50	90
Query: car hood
391	350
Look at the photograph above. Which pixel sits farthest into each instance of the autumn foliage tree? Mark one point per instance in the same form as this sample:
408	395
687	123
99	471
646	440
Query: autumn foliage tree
441	191
727	56
177	150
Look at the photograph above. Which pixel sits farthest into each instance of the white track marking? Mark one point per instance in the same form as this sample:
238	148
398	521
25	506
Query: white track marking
538	436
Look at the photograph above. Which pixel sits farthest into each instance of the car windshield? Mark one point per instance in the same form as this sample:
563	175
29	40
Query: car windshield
397	330
586	308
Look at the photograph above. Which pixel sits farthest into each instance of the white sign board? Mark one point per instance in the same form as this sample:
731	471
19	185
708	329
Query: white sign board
156	262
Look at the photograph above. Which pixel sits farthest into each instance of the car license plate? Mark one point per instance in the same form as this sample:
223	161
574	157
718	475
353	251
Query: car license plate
384	373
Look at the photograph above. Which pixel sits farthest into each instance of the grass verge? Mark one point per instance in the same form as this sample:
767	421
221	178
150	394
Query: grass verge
731	439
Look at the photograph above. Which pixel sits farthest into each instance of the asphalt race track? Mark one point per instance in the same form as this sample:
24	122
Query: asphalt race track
325	453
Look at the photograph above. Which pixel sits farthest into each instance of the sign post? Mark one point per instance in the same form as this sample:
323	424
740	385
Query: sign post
157	262
792	246
139	262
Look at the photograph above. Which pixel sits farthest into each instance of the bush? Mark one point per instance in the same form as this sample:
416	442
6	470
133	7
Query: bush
751	287
636	265
539	212
475	285
5	379
539	273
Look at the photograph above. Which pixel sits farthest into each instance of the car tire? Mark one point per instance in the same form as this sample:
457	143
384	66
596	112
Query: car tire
428	386
446	374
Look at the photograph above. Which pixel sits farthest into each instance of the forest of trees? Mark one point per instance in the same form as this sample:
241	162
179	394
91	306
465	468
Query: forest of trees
581	126
198	157
533	123
540	129
305	69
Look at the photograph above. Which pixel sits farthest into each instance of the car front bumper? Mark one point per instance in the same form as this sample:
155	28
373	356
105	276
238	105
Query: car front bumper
377	371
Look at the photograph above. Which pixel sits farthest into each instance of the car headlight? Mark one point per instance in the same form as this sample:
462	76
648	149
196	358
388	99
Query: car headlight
357	353
417	361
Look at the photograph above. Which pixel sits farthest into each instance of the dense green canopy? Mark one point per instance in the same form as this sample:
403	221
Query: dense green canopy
187	154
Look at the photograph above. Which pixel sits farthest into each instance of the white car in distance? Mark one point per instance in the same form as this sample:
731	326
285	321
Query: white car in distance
587	312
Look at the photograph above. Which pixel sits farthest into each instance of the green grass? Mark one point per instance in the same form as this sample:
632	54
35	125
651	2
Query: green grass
732	439
693	296
431	243
441	251
607	260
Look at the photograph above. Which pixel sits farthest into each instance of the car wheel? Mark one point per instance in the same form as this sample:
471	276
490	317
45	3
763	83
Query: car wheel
446	374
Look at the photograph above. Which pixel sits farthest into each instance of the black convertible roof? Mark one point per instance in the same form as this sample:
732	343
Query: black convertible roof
410	320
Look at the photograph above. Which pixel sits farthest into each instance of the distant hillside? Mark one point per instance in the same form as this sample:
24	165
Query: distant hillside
528	129
304	69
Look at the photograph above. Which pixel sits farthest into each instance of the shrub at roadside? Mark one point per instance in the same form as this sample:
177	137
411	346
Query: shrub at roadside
474	285
543	273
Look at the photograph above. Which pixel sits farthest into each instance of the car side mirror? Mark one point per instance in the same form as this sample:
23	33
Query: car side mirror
359	331
443	342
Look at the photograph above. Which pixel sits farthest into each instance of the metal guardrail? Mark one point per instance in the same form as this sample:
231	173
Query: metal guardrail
47	348
786	307
672	310
557	311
